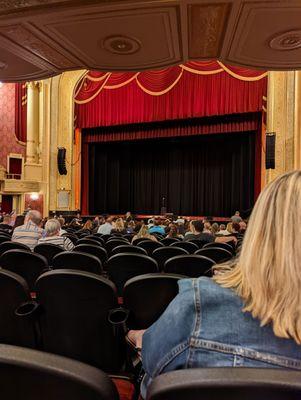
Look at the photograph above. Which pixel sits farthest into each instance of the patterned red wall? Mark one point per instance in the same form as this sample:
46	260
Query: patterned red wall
34	204
8	141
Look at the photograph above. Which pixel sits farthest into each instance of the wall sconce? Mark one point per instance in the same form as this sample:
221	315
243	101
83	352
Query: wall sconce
34	196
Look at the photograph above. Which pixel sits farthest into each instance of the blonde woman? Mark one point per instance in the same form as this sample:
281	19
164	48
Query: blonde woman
249	315
119	226
143	233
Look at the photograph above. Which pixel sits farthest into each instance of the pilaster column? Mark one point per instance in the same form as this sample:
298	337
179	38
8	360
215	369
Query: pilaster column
281	120
32	123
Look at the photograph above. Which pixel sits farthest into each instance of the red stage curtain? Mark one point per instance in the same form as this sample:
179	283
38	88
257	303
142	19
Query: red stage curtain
21	112
195	89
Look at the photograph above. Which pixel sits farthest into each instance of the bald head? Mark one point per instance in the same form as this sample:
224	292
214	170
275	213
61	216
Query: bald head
34	216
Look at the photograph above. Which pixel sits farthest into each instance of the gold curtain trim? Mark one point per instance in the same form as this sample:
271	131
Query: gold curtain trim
122	84
91	78
197	72
19	141
162	91
95	94
264	109
242	78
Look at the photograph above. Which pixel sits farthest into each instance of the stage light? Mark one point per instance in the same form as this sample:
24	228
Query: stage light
34	196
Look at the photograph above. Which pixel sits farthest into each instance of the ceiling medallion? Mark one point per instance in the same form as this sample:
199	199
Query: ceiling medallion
287	41
122	45
3	65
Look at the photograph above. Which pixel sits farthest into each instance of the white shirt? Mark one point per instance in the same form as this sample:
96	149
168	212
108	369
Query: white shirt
105	228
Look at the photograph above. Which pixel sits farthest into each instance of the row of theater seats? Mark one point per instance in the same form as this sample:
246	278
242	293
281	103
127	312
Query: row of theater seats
29	374
116	259
77	313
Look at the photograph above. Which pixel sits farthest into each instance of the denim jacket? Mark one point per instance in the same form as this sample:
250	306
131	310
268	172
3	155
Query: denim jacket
204	326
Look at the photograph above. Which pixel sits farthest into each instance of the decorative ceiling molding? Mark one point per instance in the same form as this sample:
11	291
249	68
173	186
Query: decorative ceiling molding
41	38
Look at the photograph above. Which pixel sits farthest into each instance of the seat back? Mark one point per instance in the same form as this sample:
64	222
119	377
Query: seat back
4	238
34	375
24	263
97	251
190	265
88	241
14	330
217	254
226	383
140	297
5	246
77	261
128	248
124	266
48	250
78	303
71	236
141	239
188	246
168	241
162	254
96	237
225	246
150	246
112	243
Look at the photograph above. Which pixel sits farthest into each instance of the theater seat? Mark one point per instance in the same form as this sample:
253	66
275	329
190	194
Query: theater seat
77	260
150	246
24	263
48	250
124	266
97	251
225	246
88	241
32	375
162	254
147	296
227	384
188	246
217	254
190	265
14	330
5	246
128	248
168	241
114	242
75	319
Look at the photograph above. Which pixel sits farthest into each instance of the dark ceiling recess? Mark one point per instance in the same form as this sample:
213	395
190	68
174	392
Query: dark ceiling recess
42	38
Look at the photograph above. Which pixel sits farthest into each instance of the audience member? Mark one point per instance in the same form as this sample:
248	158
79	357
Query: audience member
173	232
30	232
106	228
207	227
236	218
144	233
223	231
6	224
157	228
52	230
62	223
214	229
119	227
88	226
249	314
196	232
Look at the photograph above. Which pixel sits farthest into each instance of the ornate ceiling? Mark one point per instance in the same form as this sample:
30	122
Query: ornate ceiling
41	38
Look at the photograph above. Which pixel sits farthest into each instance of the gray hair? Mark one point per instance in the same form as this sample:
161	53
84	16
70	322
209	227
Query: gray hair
34	216
52	226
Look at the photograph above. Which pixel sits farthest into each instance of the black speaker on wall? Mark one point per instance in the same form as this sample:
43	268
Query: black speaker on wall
61	161
270	150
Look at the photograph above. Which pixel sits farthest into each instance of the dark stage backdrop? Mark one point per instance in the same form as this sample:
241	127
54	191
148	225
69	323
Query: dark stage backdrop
198	175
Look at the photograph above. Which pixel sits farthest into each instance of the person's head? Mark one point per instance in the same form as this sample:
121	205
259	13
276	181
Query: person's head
128	214
88	225
235	227
173	230
143	232
207	226
222	227
229	227
196	226
119	225
61	221
242	226
109	219
52	227
78	215
6	219
157	222
214	228
34	216
237	213
267	274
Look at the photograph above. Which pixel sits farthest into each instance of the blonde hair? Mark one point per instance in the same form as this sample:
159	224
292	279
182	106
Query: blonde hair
119	225
267	273
143	232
